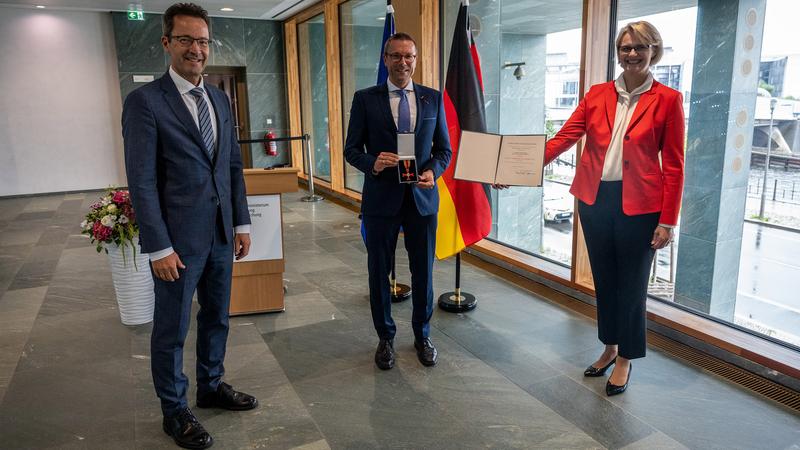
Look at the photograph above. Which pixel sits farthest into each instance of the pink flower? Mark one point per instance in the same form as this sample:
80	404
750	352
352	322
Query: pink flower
100	232
127	210
120	197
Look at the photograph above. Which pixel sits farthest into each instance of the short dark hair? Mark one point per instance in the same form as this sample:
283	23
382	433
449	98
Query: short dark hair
398	37
183	9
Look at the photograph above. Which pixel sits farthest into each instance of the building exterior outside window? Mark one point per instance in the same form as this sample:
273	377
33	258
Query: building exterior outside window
361	31
314	93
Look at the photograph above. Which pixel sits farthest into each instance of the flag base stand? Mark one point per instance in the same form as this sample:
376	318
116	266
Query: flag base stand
312	198
457	301
400	292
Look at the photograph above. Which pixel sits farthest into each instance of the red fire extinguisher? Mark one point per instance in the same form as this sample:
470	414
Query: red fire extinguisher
270	147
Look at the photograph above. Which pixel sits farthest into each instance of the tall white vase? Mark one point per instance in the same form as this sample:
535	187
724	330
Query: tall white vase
133	284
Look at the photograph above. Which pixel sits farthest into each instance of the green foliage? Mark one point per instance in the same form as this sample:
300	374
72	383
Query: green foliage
111	220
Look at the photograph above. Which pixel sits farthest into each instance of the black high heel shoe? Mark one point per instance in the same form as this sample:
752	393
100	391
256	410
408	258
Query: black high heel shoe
593	371
613	389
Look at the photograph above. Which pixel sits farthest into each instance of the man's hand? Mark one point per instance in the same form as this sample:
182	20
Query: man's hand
241	245
661	237
167	267
385	159
426	180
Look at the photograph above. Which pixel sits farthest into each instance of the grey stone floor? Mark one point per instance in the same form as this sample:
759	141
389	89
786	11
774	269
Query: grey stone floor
509	376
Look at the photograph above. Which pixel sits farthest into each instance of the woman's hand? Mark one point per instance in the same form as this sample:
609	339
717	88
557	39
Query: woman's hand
661	237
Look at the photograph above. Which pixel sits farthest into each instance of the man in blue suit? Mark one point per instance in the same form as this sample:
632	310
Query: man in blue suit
185	177
378	113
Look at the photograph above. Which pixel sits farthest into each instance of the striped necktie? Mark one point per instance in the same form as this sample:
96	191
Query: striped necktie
204	120
403	113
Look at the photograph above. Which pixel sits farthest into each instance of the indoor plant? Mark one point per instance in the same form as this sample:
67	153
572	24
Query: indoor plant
111	227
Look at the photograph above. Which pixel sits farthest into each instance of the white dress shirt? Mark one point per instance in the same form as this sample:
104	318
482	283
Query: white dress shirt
394	102
626	105
184	86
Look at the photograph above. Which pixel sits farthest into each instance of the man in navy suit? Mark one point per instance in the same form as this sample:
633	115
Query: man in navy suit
378	114
185	177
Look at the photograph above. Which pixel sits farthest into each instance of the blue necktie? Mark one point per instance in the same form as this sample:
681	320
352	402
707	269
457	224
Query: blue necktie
403	113
204	119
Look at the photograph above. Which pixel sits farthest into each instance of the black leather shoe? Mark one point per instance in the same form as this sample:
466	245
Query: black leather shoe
384	355
227	398
613	389
593	371
186	430
426	352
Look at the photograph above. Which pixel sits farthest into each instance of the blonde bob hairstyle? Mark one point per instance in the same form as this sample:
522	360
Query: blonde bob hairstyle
645	33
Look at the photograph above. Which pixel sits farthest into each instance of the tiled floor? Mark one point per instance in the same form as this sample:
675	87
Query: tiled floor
509	376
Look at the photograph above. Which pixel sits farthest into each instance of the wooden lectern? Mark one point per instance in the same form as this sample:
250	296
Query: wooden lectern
258	285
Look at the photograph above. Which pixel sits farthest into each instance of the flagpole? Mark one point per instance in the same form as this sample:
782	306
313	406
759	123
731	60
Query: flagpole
457	301
464	55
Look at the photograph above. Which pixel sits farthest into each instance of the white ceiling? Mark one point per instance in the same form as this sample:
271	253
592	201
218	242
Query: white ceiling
248	9
524	16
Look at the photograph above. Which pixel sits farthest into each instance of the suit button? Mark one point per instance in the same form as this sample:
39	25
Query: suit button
627	138
215	200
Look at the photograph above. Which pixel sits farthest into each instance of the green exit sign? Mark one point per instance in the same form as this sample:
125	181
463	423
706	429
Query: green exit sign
135	15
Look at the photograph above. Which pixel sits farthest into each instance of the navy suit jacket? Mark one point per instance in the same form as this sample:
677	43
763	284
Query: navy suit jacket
372	130
178	192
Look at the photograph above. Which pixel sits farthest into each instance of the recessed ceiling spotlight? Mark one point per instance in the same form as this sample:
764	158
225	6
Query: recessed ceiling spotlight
40	6
226	9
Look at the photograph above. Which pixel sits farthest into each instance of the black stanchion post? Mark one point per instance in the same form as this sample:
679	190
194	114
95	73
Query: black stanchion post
457	301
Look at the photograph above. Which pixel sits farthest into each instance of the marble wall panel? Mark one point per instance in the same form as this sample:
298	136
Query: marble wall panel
138	43
228	42
256	45
127	85
261	159
267	99
263	46
699	213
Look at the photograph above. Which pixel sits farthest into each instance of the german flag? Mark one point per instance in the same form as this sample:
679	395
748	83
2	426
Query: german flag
465	215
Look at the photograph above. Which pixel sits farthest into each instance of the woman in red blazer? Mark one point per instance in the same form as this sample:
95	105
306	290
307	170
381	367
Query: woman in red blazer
628	183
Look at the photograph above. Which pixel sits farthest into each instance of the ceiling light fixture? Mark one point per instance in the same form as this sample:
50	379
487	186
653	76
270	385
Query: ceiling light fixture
226	9
40	6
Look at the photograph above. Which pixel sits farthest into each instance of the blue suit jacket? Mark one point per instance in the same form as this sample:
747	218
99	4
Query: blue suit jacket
372	130
176	189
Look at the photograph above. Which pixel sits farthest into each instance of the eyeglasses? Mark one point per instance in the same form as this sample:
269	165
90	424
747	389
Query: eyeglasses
396	57
625	49
187	41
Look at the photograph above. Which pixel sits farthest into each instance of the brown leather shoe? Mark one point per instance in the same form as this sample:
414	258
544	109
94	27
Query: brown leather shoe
227	398
186	430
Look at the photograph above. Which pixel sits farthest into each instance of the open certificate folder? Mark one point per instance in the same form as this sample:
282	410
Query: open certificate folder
513	160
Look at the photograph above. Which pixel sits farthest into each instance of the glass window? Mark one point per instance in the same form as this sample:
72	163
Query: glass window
314	93
546	36
734	258
361	32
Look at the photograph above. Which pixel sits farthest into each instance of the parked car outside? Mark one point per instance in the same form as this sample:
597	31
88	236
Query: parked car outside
557	209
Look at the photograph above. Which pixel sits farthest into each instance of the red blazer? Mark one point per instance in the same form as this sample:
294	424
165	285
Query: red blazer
657	127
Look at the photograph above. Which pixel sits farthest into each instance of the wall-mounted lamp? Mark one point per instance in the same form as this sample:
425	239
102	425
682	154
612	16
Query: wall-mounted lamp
519	72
